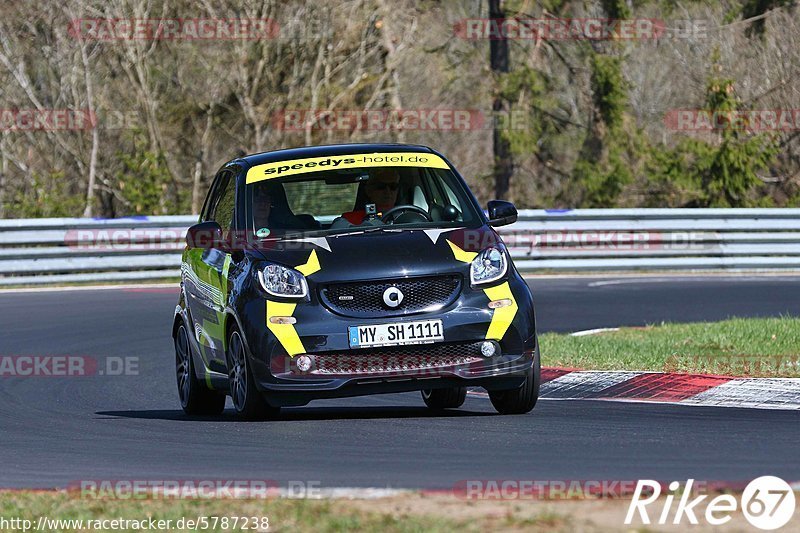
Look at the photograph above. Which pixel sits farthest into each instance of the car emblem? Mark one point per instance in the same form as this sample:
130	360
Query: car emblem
392	297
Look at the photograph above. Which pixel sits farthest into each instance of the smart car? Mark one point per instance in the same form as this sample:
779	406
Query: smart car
348	270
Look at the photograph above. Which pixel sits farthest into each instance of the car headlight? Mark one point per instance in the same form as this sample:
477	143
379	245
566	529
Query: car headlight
490	265
280	281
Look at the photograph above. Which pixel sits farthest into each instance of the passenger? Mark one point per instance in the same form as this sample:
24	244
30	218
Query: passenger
262	208
271	211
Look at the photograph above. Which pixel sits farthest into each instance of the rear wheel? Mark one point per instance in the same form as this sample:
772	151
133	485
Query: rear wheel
196	398
247	400
445	398
522	400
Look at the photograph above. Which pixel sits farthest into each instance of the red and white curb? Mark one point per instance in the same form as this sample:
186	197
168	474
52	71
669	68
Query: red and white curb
661	387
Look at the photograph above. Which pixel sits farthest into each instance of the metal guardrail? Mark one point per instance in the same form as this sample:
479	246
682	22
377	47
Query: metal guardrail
70	250
65	250
655	239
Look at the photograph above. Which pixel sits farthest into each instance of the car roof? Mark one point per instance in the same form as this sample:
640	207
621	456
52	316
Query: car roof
324	150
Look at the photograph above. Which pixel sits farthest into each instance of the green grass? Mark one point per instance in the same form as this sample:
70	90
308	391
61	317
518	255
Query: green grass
337	515
738	347
283	514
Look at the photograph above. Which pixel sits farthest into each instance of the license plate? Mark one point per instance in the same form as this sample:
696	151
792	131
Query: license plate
419	332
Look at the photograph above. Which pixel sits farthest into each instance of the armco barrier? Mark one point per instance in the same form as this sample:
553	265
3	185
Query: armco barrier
655	239
39	251
67	250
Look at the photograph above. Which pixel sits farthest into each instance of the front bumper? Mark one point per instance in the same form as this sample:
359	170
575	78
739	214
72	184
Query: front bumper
339	371
500	373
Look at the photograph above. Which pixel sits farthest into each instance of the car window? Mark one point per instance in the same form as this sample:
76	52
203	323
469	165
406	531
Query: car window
439	191
211	199
452	199
338	200
320	199
225	202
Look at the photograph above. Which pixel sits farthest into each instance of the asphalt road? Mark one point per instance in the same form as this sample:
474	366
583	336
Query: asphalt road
54	431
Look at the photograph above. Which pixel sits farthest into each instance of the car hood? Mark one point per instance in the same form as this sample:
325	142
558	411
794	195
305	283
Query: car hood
380	254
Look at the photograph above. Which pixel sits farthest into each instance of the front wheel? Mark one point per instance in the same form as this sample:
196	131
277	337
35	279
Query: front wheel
247	400
445	398
522	400
196	398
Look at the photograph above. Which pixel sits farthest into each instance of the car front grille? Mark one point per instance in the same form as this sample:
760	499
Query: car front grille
365	299
402	359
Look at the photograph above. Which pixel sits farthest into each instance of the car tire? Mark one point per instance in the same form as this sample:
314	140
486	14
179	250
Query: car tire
445	398
523	399
196	398
248	401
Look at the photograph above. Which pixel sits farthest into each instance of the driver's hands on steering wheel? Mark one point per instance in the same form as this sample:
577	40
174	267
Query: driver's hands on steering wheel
392	214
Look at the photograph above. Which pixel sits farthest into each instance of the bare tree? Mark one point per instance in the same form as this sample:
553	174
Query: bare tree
499	60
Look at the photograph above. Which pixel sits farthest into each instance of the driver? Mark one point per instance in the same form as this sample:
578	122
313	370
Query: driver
381	189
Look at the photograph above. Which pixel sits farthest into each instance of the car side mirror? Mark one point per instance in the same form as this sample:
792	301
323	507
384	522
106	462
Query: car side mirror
204	235
501	213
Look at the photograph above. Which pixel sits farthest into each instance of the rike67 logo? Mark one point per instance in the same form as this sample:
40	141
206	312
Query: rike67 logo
767	502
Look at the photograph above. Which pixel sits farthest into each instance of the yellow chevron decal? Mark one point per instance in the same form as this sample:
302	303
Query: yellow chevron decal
285	333
461	255
502	317
310	266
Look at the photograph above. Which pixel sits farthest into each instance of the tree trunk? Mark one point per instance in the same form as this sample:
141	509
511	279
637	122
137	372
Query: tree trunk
87	211
3	174
197	196
499	61
391	65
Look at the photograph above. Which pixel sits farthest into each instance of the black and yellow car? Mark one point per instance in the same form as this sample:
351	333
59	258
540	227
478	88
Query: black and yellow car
348	270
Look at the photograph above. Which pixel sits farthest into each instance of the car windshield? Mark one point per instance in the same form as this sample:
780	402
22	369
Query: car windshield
351	199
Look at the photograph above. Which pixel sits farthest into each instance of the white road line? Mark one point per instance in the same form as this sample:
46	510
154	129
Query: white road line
657	402
342	493
305	493
696	278
791	275
595	331
580	384
760	393
747	393
91	288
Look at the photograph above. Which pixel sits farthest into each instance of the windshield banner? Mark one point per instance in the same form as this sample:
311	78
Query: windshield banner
292	167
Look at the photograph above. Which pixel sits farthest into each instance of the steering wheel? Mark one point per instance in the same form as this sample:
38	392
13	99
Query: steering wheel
391	215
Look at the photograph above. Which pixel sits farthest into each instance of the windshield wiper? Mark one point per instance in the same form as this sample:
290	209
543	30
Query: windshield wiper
373	229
